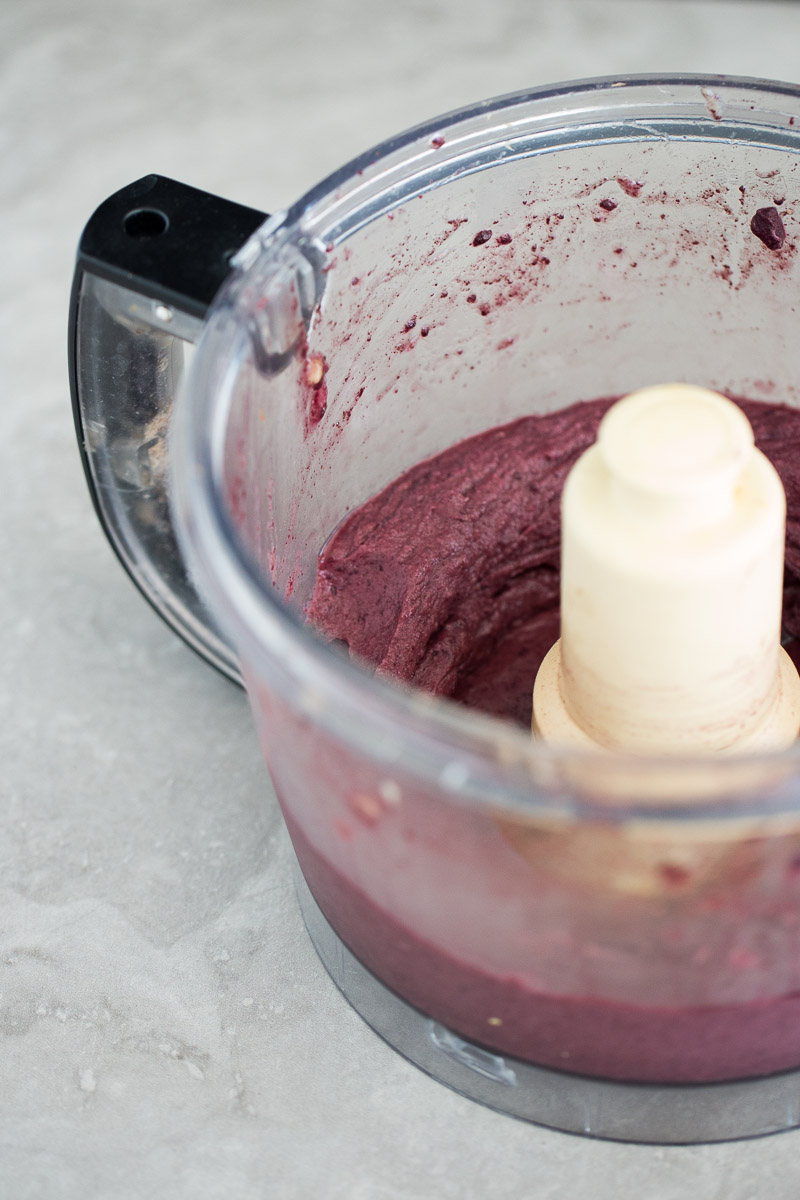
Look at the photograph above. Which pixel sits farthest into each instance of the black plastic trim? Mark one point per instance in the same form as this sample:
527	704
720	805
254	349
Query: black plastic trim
184	257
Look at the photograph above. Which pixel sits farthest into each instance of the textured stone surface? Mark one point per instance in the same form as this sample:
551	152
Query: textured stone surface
166	1028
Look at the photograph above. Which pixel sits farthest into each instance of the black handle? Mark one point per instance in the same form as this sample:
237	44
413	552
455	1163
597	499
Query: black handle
150	261
167	241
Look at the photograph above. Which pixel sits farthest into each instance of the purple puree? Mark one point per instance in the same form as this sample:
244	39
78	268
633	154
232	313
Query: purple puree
449	580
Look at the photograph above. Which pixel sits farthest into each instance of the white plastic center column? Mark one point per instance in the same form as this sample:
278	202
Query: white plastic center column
671	589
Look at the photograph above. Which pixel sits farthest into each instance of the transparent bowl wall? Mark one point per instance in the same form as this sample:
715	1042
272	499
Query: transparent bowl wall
625	919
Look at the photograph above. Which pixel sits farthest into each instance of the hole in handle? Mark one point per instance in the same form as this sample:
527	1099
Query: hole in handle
145	223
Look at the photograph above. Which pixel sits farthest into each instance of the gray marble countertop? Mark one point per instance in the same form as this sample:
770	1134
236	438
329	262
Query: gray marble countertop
167	1030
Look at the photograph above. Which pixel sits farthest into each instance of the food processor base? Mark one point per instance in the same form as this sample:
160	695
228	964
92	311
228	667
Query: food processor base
659	1114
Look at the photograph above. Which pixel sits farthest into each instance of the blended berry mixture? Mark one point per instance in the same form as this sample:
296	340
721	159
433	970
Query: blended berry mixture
449	581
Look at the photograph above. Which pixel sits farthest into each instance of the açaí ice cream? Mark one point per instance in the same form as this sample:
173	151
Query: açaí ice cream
449	580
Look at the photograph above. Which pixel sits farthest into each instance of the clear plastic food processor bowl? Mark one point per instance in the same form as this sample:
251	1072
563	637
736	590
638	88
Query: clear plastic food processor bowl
603	944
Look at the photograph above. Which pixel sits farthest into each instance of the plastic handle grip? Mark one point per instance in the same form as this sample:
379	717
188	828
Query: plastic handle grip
150	262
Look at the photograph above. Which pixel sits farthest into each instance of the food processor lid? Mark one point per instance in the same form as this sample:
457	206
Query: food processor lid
150	262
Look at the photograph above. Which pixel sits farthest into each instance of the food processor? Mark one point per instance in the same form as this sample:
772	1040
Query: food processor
606	944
